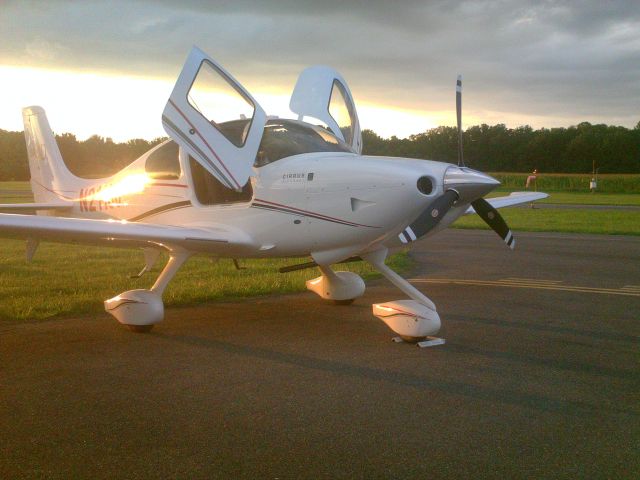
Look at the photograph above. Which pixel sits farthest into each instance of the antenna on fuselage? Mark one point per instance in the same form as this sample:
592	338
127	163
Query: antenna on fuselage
459	116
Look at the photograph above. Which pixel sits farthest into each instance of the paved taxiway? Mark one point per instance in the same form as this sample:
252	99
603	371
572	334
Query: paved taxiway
538	379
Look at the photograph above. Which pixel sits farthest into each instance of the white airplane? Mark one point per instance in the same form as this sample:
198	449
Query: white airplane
232	182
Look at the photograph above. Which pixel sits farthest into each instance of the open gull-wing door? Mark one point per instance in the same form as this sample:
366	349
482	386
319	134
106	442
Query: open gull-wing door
215	119
322	93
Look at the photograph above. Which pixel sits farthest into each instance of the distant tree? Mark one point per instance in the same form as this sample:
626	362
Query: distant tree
92	158
13	156
489	148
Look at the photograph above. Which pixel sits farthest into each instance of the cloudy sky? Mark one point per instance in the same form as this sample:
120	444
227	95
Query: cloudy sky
108	67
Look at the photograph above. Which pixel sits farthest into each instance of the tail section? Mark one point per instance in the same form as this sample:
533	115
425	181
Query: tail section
51	180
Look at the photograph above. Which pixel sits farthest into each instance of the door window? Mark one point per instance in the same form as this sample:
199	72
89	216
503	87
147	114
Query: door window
342	111
209	190
213	95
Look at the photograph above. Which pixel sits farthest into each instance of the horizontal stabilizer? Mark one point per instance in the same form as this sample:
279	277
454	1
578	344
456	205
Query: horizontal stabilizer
515	198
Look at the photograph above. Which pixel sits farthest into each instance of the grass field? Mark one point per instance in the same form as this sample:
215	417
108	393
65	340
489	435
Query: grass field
568	182
577	198
15	186
609	222
65	280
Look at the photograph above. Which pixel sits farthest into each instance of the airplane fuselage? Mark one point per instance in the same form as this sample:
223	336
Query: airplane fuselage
313	202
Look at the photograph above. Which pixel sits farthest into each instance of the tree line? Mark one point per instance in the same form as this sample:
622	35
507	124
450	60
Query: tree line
94	157
576	149
497	148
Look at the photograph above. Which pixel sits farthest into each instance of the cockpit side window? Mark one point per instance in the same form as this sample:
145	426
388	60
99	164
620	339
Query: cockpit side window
285	138
163	163
209	190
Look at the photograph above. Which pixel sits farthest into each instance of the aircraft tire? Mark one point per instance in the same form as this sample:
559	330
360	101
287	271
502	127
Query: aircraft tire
348	301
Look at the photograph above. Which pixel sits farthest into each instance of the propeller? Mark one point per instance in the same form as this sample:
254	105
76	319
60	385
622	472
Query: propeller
492	218
430	217
462	184
483	208
459	117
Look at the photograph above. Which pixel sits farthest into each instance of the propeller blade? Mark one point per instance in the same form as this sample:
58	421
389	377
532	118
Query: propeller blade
459	116
491	216
429	218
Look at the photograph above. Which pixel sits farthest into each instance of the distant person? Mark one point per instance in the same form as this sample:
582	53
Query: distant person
531	179
593	185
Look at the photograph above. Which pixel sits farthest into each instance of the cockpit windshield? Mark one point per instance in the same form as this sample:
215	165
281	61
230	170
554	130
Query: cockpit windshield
284	138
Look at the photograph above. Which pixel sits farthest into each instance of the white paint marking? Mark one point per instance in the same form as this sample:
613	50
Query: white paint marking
508	237
561	288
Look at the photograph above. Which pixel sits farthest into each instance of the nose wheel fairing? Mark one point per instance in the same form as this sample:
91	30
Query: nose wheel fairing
413	320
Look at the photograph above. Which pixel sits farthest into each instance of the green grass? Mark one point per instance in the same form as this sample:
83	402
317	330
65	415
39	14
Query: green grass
15	186
64	280
610	222
568	182
577	198
15	199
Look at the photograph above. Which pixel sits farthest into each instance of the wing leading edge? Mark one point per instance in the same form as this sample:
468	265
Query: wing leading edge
515	198
119	233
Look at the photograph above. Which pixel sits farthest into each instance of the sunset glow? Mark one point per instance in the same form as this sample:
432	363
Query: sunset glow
128	185
120	107
123	107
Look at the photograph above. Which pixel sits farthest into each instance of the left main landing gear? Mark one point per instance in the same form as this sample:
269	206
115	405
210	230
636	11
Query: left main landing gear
141	309
340	287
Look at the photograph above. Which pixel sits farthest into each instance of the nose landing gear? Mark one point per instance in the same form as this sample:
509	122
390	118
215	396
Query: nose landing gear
413	320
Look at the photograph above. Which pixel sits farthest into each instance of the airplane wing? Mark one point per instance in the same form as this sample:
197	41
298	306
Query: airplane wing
35	206
120	233
515	198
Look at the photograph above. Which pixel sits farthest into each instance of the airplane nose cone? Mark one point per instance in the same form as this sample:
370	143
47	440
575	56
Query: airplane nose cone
469	184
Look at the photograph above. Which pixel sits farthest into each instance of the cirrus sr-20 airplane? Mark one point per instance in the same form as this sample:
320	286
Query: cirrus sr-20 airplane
232	182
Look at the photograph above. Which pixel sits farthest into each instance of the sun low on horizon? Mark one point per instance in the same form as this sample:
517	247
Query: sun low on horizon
124	107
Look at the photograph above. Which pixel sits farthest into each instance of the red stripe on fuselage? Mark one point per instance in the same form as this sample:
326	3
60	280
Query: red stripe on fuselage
319	215
179	185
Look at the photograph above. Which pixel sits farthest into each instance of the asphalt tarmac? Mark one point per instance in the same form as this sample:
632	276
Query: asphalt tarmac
538	378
